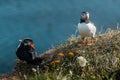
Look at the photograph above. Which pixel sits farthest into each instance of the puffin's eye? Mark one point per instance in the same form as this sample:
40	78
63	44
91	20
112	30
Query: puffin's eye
25	44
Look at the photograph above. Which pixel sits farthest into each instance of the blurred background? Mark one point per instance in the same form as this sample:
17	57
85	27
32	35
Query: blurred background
48	23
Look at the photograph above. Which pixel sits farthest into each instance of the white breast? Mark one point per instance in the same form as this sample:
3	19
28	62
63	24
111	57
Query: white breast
87	30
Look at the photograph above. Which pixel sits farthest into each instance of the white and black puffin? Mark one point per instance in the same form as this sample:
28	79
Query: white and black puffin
26	52
86	28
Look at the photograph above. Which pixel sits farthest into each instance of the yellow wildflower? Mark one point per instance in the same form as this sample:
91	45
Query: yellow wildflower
71	54
55	61
60	54
52	62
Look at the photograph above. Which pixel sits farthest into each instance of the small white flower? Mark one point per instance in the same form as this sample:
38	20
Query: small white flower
25	77
83	51
70	72
82	61
34	70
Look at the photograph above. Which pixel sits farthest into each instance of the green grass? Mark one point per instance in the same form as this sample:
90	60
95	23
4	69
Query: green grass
102	61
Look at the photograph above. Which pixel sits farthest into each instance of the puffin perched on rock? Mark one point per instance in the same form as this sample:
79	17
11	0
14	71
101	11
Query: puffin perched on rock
26	52
86	28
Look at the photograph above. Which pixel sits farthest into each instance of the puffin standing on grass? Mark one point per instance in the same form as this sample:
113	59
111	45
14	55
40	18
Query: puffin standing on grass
26	52
86	28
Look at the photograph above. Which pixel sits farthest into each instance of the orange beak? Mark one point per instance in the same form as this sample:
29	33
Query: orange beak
32	45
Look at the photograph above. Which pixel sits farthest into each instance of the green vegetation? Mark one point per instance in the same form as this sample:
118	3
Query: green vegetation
69	61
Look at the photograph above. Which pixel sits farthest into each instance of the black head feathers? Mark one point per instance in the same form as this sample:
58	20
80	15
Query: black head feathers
84	17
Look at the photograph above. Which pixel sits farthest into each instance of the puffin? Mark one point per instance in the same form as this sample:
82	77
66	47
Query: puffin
86	28
26	52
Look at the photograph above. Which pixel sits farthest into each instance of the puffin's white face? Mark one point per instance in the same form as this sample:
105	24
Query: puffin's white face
85	15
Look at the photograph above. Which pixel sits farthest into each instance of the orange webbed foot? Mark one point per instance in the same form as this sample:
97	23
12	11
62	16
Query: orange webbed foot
90	43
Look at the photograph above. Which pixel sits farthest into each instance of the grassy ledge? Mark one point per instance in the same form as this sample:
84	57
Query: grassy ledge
68	61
